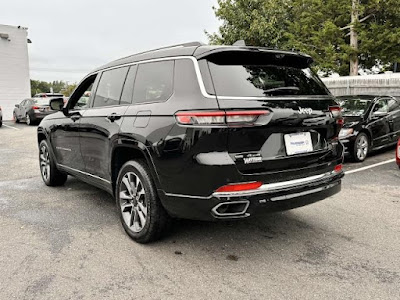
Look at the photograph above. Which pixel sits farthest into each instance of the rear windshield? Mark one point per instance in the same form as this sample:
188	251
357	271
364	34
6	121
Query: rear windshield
353	107
263	77
42	101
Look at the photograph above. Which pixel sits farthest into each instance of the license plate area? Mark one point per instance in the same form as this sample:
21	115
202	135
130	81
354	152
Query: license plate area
298	143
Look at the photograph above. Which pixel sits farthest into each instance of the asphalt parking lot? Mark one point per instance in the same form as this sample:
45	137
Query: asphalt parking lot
67	242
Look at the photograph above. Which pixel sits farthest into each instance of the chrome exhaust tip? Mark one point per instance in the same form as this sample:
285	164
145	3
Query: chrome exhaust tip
231	209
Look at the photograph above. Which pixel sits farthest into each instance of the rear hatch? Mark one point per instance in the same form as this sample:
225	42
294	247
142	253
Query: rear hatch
300	131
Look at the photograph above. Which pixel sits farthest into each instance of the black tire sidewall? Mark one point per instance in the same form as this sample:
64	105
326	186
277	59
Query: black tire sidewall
56	177
140	169
355	147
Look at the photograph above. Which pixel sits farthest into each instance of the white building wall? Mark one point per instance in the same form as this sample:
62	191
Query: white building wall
14	68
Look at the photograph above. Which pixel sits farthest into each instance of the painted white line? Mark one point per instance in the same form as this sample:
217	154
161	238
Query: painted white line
8	126
371	166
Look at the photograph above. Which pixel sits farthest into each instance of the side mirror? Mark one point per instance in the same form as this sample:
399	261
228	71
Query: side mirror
17	105
57	104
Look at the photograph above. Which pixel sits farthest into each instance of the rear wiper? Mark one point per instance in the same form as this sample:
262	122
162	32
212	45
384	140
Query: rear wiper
283	88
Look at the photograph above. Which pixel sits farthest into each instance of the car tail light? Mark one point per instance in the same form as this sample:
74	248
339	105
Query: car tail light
338	168
35	107
219	117
336	112
398	151
237	187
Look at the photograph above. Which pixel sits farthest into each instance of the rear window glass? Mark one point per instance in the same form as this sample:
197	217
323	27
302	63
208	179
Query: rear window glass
154	82
42	101
263	75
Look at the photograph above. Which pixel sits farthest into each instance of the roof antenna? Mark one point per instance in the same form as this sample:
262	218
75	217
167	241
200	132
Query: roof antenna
239	43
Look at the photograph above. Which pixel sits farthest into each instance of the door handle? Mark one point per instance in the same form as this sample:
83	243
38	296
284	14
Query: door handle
114	117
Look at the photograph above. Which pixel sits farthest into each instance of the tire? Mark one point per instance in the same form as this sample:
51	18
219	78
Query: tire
28	120
141	213
50	174
16	120
361	147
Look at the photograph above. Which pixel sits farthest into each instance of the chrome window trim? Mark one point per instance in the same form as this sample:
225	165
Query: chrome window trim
84	173
201	82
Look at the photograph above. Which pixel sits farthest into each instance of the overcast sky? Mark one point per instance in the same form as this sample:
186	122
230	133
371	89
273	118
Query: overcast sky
70	38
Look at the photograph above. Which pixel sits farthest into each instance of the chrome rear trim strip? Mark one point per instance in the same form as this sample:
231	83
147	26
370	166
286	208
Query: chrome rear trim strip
264	189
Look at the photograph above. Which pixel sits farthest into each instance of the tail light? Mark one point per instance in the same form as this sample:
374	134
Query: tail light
219	117
336	112
398	152
35	107
237	187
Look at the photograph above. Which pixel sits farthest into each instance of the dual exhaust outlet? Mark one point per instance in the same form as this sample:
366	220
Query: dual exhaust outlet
231	209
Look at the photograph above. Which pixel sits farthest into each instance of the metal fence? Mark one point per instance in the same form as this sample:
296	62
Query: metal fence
381	84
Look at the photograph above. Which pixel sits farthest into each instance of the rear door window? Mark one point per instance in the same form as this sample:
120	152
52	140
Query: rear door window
154	82
110	87
394	104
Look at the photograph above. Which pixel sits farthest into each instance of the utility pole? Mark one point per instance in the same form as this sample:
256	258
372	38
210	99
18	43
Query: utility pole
354	38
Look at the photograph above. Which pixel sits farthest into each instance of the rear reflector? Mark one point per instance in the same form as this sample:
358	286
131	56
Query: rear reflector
239	187
338	168
219	118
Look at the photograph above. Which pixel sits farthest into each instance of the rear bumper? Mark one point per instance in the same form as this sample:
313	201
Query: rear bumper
268	198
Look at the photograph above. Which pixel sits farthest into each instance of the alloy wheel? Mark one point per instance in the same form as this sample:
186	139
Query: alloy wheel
45	162
28	120
132	200
362	147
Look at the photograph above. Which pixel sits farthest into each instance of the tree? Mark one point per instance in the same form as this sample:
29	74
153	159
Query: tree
334	32
57	86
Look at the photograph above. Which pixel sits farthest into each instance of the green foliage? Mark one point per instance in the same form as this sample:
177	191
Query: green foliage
45	87
317	27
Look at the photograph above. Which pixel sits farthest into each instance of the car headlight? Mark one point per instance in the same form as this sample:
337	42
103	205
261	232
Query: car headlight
345	132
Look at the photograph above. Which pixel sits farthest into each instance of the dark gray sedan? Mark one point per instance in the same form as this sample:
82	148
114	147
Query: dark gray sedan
32	110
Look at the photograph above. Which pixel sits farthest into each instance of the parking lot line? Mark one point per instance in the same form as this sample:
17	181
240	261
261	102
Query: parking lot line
8	126
371	166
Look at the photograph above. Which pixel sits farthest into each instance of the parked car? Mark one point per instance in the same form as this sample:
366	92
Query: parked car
198	132
44	95
370	123
1	117
33	110
398	153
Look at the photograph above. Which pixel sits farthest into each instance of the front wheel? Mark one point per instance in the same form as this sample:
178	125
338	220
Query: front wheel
361	147
16	120
141	212
50	174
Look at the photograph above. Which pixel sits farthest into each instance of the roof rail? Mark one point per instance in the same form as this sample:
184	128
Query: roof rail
190	44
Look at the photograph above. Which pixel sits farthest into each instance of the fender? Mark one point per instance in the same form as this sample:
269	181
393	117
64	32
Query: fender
127	142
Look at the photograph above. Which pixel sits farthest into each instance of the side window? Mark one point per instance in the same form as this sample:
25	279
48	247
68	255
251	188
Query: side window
154	82
23	103
80	98
394	104
110	87
381	106
127	93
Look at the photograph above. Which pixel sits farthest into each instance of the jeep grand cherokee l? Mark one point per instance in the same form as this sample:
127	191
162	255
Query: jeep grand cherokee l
198	132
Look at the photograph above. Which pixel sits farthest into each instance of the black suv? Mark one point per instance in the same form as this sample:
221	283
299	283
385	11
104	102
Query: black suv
199	132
